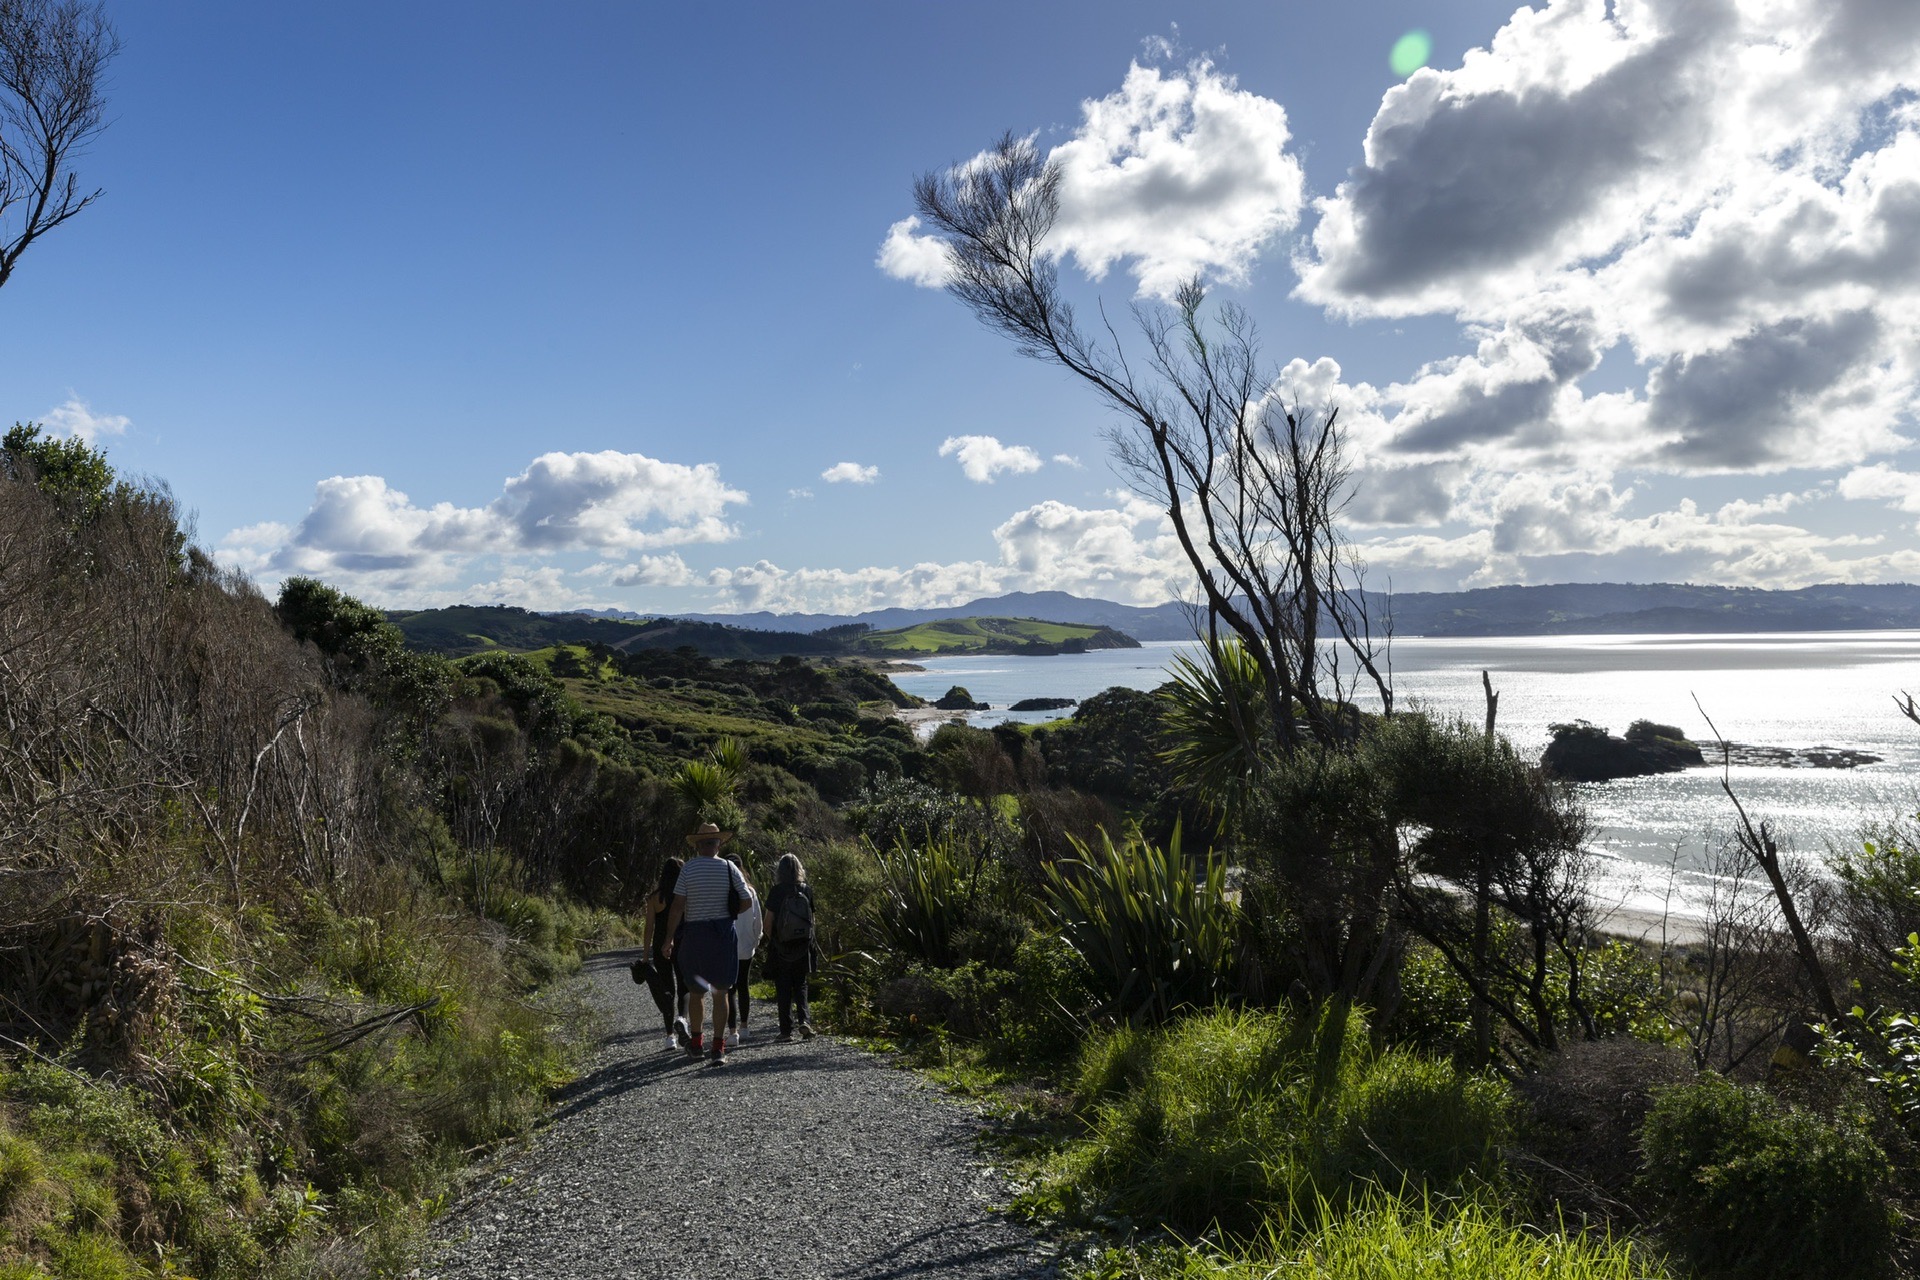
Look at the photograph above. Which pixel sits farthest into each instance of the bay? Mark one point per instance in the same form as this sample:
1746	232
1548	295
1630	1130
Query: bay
1799	689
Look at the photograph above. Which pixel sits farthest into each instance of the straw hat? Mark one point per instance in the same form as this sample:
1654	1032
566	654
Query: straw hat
707	831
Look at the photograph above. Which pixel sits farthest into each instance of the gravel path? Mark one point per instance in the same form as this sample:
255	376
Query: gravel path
816	1161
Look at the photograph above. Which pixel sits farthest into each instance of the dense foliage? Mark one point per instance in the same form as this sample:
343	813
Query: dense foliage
280	895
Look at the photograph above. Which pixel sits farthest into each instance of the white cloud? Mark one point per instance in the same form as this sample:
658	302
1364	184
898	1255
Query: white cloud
364	533
1177	174
799	494
648	571
1882	483
1068	460
76	418
1126	552
850	473
915	258
1732	192
983	458
765	585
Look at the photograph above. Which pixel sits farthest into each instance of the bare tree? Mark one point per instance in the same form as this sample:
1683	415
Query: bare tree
53	54
1253	489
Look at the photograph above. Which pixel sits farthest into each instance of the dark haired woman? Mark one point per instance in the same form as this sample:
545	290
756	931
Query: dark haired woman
790	950
663	980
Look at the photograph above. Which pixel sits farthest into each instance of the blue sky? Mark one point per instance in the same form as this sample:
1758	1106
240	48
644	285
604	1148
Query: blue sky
1614	292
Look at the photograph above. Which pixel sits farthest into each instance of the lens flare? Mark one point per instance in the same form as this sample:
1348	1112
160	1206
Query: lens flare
1410	53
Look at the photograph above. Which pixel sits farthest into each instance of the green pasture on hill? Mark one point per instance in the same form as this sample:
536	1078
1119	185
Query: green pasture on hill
986	635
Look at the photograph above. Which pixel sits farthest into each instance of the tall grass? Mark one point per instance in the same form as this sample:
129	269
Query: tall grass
1390	1239
1218	1122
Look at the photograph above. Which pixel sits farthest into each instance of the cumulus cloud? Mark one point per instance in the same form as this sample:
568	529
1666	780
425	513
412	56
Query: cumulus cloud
76	418
362	530
917	259
850	473
1125	552
1882	483
646	571
765	585
983	458
1176	174
1729	192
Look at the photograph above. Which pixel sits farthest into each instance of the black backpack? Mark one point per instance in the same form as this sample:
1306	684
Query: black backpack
793	923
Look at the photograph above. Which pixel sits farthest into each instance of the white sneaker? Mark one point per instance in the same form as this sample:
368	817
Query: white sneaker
673	1041
733	1039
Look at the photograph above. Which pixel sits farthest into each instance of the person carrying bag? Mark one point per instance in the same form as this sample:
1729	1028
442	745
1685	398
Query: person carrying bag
700	936
791	955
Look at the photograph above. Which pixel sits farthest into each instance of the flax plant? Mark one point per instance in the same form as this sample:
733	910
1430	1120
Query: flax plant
1158	937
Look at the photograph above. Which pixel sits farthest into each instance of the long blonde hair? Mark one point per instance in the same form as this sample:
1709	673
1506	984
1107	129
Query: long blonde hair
789	871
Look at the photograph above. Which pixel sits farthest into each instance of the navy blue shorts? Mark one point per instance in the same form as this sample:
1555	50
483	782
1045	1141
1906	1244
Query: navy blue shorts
707	954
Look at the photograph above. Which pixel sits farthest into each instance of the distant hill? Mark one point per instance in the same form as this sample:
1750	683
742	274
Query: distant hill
465	629
1563	609
1656	608
1021	636
1160	622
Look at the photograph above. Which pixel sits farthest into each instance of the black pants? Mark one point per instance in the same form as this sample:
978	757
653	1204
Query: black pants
663	983
737	1011
790	989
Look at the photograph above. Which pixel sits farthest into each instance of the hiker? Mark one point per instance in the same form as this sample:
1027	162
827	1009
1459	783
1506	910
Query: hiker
700	937
663	980
747	928
790	951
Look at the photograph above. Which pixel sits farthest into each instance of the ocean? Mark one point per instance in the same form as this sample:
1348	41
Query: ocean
1832	689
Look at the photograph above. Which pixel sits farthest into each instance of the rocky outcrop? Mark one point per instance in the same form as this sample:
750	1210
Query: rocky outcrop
1044	704
958	699
1584	752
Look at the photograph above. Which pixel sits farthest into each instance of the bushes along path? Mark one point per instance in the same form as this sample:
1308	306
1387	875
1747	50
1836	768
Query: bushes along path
808	1159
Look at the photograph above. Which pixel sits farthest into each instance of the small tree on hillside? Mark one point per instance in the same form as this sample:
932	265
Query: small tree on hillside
53	56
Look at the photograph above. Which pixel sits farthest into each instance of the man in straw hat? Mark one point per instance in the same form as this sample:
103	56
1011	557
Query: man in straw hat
700	936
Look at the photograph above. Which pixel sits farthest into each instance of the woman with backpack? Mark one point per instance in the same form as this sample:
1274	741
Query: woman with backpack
663	980
790	952
700	937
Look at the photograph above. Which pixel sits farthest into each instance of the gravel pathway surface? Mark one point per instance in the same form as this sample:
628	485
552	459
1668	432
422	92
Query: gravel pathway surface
808	1159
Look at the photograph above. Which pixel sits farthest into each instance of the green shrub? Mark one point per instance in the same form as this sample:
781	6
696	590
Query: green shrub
1215	1122
928	892
1620	987
1749	1186
1155	930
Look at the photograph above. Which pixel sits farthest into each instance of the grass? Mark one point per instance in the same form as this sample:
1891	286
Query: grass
1225	1120
978	635
1391	1239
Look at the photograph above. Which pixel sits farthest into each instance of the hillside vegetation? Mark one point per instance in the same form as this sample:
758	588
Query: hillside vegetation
286	910
1023	636
462	630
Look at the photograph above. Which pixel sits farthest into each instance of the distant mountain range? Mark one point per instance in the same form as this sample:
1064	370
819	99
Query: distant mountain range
1565	609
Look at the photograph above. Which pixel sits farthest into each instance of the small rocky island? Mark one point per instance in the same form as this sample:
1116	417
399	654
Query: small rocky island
1044	704
1586	752
958	699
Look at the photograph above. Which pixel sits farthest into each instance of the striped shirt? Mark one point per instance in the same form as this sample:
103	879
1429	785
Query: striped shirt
703	883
